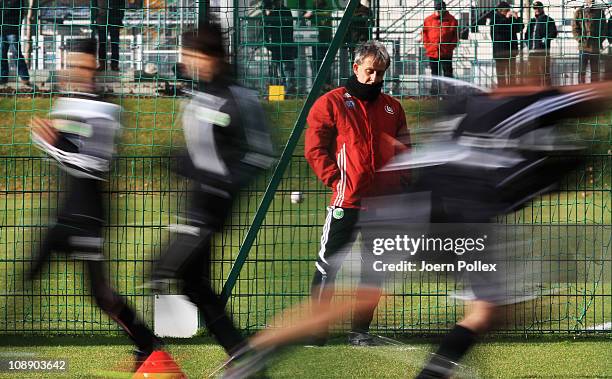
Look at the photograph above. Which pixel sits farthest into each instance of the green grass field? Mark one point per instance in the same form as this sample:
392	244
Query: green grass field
199	357
279	268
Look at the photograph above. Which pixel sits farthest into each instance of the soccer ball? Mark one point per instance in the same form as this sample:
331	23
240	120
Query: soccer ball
150	69
296	197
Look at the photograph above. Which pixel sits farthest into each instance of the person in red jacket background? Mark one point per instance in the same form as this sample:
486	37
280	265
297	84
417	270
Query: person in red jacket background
352	132
440	38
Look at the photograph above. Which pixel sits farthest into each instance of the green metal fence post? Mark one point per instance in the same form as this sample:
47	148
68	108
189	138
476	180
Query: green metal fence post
236	36
288	151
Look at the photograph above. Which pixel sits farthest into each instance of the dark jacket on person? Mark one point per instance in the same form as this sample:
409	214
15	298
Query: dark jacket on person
11	15
109	12
226	135
590	29
504	32
278	30
359	29
323	20
541	31
88	127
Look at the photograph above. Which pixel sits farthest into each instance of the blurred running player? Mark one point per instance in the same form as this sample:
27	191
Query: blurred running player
506	149
227	145
80	135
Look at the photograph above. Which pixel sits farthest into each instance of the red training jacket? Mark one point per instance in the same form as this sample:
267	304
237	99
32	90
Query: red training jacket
348	139
440	40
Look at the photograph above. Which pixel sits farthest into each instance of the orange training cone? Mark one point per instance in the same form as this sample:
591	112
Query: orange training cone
159	365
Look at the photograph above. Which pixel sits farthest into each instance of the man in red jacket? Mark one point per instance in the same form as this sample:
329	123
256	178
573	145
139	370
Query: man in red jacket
353	131
440	38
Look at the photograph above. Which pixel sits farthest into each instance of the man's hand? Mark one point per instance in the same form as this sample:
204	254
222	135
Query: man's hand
44	129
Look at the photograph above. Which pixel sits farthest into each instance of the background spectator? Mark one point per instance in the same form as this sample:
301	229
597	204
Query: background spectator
359	29
278	31
11	17
29	27
321	17
541	30
109	20
440	38
358	33
589	27
505	25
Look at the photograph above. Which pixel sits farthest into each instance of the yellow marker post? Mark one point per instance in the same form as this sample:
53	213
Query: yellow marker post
276	93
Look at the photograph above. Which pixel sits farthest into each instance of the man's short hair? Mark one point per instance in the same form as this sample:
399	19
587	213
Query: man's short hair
503	5
372	48
439	5
207	40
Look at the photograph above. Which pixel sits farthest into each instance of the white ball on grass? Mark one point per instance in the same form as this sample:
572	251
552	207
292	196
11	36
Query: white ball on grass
297	197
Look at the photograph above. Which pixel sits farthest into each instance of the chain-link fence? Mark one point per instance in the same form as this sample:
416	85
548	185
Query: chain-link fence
276	50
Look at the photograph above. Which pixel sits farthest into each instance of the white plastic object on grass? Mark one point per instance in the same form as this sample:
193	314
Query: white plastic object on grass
175	316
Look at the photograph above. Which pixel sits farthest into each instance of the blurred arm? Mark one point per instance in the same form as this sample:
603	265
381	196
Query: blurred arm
44	130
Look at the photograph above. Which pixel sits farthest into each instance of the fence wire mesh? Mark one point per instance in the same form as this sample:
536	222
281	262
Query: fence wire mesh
271	50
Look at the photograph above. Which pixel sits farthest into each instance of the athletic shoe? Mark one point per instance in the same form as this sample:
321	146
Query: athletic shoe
440	367
140	356
248	363
364	339
318	339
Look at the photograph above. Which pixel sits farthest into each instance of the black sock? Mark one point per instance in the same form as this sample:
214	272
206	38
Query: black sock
217	320
453	347
456	343
362	320
142	336
225	332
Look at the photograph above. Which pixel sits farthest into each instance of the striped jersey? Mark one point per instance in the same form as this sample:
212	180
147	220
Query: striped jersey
226	135
87	130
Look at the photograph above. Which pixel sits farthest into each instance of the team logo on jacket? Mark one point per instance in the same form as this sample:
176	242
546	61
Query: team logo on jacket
350	104
338	213
388	109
